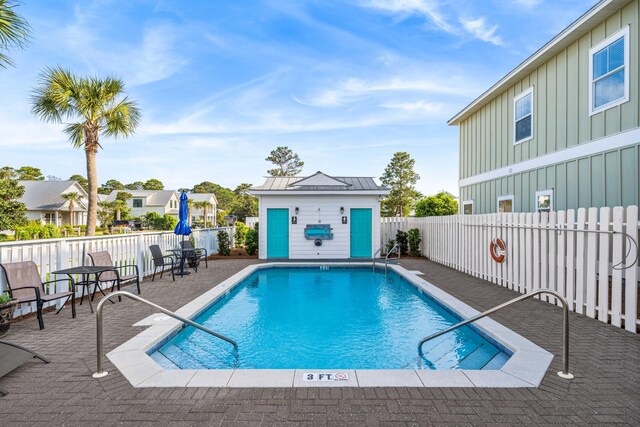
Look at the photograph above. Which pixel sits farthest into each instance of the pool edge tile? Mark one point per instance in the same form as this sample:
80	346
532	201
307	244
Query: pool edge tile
388	378
262	378
451	378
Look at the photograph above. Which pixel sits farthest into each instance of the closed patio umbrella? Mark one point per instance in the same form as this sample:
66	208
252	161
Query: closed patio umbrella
183	229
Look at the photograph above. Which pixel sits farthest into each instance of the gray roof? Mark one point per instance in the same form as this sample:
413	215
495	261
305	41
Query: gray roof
46	195
202	197
298	183
153	197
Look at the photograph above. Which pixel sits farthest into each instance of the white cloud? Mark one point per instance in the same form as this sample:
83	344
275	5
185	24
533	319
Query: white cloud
430	9
479	28
421	106
527	3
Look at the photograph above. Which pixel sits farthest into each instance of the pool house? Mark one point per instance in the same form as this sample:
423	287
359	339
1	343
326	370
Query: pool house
319	217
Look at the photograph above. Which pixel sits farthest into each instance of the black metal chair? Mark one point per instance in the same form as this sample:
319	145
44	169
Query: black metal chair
26	285
114	276
194	258
160	261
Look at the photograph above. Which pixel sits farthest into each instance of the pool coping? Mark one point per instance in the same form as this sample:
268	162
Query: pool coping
526	367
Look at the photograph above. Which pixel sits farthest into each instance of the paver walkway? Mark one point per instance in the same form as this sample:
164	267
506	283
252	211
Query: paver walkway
605	360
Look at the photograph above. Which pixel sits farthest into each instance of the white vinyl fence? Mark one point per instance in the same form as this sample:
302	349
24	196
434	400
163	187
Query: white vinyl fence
590	256
125	249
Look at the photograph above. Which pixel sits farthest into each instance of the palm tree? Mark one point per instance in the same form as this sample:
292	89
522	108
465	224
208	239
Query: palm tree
204	205
72	198
14	31
102	108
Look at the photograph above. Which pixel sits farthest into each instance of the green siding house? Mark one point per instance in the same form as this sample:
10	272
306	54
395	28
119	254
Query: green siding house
562	130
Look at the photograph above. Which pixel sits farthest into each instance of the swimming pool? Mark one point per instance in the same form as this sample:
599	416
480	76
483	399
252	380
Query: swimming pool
328	318
139	362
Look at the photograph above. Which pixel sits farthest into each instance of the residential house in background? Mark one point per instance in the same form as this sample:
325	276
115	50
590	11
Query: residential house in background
45	203
198	214
561	130
143	201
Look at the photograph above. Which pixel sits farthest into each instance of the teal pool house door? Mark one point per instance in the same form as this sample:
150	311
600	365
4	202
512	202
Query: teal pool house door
361	233
277	233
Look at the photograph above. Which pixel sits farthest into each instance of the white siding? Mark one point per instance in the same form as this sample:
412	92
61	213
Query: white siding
319	209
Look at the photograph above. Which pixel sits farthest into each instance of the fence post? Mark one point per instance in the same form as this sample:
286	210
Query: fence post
140	256
62	262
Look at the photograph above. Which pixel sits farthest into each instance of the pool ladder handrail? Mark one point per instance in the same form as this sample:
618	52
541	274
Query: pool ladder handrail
396	248
99	336
373	260
565	326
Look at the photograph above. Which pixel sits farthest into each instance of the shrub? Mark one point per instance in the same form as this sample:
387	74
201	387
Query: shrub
35	230
168	222
403	241
390	245
251	240
241	233
4	298
224	244
414	242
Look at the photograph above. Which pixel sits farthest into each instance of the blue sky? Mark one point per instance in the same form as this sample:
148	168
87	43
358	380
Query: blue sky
344	83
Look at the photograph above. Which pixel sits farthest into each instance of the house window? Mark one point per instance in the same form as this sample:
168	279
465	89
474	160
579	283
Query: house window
50	218
609	72
544	201
523	116
505	204
137	203
467	207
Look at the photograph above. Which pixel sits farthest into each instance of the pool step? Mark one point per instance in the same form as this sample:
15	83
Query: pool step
468	354
497	362
181	358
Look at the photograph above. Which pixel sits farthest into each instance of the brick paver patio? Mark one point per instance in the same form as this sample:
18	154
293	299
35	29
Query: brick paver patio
604	359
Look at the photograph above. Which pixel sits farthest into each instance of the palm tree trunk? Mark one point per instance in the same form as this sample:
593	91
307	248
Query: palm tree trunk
205	217
91	148
71	213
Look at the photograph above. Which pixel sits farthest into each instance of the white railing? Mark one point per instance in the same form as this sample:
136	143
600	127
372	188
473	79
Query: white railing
131	248
589	255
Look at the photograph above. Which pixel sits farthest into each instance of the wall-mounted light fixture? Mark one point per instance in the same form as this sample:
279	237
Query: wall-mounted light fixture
297	210
341	211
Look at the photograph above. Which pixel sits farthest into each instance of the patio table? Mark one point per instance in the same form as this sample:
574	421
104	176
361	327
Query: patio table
85	271
180	253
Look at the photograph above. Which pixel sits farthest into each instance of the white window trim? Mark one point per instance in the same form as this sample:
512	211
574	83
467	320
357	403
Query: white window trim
503	198
623	33
467	202
515	100
548	192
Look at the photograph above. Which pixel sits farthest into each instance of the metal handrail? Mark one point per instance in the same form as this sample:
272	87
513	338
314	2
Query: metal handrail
100	345
373	259
395	247
565	326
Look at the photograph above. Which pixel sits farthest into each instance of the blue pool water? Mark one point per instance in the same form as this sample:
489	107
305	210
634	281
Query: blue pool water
336	318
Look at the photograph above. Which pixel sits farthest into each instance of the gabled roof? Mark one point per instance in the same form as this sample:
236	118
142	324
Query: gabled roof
319	182
589	20
153	197
202	197
47	195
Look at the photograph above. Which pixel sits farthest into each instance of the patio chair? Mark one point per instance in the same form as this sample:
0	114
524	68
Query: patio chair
13	356
25	285
196	256
160	261
114	276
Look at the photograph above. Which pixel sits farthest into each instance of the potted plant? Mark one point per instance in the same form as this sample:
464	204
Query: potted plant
6	312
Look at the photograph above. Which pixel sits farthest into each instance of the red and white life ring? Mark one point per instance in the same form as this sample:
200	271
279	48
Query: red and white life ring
497	249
